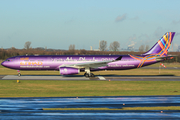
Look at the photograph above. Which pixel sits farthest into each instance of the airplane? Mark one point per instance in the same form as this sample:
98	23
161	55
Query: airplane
74	64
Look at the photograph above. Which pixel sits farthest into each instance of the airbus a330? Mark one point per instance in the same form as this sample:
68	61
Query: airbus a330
74	64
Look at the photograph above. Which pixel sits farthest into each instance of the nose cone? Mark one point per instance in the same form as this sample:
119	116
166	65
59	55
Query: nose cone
8	64
4	63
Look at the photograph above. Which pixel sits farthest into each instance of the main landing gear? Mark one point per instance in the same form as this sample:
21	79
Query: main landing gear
88	73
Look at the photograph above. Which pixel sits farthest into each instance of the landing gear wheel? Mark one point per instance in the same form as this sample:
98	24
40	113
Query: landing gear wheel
91	75
19	74
86	75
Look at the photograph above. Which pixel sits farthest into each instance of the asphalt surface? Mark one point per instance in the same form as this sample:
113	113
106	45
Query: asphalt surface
32	108
104	77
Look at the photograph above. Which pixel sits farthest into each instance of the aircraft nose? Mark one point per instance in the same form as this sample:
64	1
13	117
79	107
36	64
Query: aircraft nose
7	64
4	63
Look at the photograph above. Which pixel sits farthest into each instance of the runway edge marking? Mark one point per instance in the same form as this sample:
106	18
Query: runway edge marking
101	78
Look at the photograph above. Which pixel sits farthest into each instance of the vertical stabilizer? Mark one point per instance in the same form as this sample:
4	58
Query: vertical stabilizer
162	46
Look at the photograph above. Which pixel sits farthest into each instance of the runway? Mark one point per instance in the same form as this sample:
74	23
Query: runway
32	108
104	77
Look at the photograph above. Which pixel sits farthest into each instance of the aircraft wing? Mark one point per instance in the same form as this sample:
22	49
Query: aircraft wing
95	64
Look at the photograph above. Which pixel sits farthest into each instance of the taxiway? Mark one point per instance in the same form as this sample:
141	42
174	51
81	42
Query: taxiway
104	77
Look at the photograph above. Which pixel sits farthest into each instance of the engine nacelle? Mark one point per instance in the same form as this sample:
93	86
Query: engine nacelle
68	70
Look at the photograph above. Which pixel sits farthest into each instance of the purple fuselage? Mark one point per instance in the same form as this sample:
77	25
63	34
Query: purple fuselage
73	64
54	62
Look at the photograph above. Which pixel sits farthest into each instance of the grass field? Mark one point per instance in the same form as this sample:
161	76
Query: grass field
52	88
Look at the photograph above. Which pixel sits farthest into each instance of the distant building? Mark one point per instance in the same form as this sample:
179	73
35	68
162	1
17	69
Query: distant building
96	50
178	48
91	48
131	47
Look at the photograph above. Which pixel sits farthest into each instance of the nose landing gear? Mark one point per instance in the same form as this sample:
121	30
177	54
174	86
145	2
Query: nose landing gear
19	74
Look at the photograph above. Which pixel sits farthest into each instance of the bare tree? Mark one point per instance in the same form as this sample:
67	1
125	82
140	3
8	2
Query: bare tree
141	48
102	45
72	47
147	48
114	46
27	45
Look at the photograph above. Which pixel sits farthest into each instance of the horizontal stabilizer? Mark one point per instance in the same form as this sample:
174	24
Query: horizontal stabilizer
164	58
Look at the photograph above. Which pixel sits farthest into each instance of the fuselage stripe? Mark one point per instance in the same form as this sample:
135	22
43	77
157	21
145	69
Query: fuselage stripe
160	44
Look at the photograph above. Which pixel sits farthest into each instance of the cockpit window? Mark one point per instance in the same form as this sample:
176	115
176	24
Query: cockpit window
9	60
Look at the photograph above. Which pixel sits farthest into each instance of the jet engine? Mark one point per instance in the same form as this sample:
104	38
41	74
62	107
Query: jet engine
68	70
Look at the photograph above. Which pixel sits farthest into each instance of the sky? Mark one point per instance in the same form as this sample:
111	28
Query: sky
58	23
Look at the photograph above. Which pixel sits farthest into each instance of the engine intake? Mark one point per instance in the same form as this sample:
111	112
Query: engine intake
68	70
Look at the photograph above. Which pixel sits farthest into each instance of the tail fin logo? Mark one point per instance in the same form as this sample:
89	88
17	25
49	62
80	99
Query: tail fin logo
165	41
158	50
162	46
